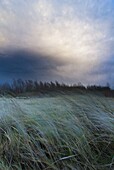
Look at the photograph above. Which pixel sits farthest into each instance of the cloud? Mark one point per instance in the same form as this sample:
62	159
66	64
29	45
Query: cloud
79	34
27	65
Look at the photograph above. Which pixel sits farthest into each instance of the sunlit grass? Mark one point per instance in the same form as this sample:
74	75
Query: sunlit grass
69	132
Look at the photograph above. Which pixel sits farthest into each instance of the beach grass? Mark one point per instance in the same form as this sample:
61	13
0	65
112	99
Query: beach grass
67	132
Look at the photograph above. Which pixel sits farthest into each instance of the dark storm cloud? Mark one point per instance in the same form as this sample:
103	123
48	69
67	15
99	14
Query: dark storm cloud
27	65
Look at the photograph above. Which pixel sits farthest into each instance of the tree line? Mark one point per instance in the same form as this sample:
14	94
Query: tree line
22	86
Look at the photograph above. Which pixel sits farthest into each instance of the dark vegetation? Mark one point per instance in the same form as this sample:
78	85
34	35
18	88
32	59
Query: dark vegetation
20	86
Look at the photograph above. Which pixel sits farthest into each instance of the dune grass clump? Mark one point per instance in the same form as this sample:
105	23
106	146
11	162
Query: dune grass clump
81	138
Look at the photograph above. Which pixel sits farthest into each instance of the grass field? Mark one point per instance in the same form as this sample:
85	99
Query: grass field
64	132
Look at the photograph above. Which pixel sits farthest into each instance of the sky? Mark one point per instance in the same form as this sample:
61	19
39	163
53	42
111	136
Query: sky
69	41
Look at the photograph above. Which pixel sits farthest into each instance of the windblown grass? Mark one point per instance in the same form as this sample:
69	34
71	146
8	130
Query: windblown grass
74	132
